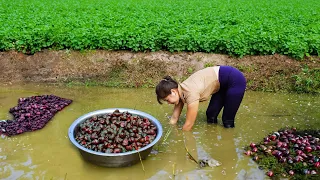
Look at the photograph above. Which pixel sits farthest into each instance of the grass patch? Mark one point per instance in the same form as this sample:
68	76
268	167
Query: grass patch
307	81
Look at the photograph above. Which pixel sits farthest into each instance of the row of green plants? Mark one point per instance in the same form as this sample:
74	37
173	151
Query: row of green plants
234	27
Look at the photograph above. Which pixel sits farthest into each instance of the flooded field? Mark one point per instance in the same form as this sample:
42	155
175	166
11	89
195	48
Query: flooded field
48	153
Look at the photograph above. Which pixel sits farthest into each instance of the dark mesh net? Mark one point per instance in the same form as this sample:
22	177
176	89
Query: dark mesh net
32	113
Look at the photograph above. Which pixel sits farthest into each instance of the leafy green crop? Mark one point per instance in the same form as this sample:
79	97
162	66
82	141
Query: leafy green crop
235	27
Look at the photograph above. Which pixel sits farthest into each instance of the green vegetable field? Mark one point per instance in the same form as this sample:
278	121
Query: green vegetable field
234	27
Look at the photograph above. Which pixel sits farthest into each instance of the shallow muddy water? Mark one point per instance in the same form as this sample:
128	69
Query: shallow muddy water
48	153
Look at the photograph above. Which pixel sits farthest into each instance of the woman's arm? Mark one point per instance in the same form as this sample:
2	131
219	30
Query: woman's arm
192	112
176	112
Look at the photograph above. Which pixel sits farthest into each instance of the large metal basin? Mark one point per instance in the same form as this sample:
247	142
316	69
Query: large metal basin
114	159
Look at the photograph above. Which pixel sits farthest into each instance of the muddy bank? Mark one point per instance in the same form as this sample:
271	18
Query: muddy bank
129	69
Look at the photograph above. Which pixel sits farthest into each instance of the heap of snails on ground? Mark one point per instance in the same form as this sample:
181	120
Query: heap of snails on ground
288	153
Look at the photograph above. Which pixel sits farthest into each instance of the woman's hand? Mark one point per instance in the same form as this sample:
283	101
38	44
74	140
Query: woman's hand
186	127
173	121
176	113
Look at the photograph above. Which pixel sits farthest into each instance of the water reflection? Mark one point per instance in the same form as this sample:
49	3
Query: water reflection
48	154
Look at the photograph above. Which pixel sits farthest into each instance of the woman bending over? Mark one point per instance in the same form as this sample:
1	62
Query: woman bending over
225	84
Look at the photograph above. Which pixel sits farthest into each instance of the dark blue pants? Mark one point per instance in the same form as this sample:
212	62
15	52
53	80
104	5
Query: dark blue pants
229	97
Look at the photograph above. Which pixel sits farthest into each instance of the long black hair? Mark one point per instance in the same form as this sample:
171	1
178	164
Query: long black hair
163	89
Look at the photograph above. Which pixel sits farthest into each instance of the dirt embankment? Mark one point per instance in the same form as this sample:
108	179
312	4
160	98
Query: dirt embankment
129	69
